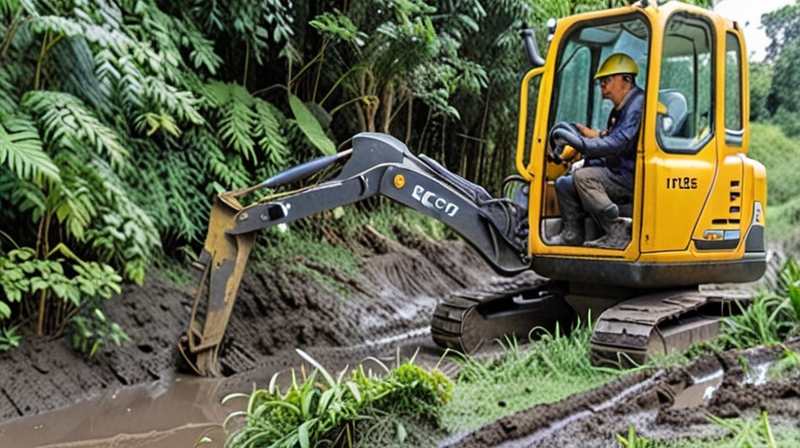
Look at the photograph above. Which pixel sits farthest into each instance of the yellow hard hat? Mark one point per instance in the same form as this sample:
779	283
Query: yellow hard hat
617	63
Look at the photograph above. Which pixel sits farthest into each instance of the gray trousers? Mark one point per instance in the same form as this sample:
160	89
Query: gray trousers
590	189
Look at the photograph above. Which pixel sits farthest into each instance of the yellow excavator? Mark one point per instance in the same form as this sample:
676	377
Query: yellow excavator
697	215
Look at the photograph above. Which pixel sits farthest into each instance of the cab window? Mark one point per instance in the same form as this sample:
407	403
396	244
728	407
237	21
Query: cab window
685	94
585	48
734	128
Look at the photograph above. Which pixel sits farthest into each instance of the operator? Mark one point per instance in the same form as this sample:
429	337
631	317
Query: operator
606	177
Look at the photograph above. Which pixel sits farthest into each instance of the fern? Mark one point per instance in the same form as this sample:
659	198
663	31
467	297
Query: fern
21	150
237	119
8	97
68	123
174	101
71	201
272	140
71	63
124	236
55	24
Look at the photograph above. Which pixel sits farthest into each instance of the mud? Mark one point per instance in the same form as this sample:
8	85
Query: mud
131	396
661	405
278	309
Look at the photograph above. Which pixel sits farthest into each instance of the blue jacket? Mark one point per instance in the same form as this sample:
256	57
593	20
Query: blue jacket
616	147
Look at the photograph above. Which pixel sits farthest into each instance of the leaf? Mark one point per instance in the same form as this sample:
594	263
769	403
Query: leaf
21	149
5	311
402	434
302	432
311	127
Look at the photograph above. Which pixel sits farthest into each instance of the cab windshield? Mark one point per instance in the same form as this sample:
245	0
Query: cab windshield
578	98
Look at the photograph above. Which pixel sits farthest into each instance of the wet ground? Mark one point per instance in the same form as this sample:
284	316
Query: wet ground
178	411
132	396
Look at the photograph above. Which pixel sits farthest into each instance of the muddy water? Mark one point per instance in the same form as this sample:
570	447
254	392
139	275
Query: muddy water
179	411
173	413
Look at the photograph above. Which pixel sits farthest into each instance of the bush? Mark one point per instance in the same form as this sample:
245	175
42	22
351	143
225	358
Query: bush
771	147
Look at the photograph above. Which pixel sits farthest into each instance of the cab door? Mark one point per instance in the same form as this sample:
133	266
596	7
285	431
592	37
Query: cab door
680	157
568	93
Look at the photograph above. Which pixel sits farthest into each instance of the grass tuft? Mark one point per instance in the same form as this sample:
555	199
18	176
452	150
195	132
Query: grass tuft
549	369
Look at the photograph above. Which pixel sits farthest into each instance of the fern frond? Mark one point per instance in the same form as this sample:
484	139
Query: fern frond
272	140
55	24
71	200
217	164
124	235
131	84
202	53
108	77
68	122
8	96
176	102
238	120
27	196
71	66
21	150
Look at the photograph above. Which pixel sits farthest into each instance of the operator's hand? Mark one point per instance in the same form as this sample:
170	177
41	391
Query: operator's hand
587	132
577	165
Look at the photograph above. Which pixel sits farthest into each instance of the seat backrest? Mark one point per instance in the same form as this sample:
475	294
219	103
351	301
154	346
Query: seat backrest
672	122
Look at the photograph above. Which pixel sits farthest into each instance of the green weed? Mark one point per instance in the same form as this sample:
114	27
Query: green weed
9	338
749	433
773	316
633	440
325	411
788	364
92	330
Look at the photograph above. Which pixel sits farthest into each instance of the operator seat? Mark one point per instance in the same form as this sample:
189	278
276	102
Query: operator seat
673	121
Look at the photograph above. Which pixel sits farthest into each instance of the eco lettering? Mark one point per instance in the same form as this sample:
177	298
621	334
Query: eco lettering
431	200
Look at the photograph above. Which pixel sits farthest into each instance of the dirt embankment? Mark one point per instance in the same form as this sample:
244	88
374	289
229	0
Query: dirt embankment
277	310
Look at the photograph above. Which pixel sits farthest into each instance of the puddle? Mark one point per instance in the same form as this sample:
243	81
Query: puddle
179	411
702	390
159	415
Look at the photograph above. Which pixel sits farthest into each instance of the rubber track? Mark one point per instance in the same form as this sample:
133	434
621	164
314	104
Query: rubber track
630	326
455	323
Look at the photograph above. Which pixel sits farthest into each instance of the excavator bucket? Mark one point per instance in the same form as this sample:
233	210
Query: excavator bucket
220	268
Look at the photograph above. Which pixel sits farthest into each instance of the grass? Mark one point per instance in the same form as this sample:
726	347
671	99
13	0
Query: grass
773	317
753	432
547	371
409	406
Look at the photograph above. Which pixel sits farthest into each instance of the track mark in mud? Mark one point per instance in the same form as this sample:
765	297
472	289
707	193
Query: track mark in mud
11	402
647	401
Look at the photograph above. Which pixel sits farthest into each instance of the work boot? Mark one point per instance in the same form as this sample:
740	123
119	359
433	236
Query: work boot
572	234
617	237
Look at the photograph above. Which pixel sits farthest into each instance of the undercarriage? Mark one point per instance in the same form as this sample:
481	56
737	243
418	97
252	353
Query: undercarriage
629	328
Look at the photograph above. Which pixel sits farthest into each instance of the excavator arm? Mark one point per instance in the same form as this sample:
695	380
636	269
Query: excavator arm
377	164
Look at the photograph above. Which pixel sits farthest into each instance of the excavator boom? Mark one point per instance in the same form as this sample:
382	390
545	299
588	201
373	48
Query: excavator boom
378	164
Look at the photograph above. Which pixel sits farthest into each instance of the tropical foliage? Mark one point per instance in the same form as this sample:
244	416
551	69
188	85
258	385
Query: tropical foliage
120	119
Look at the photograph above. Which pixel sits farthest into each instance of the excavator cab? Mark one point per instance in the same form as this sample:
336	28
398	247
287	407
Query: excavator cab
697	212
